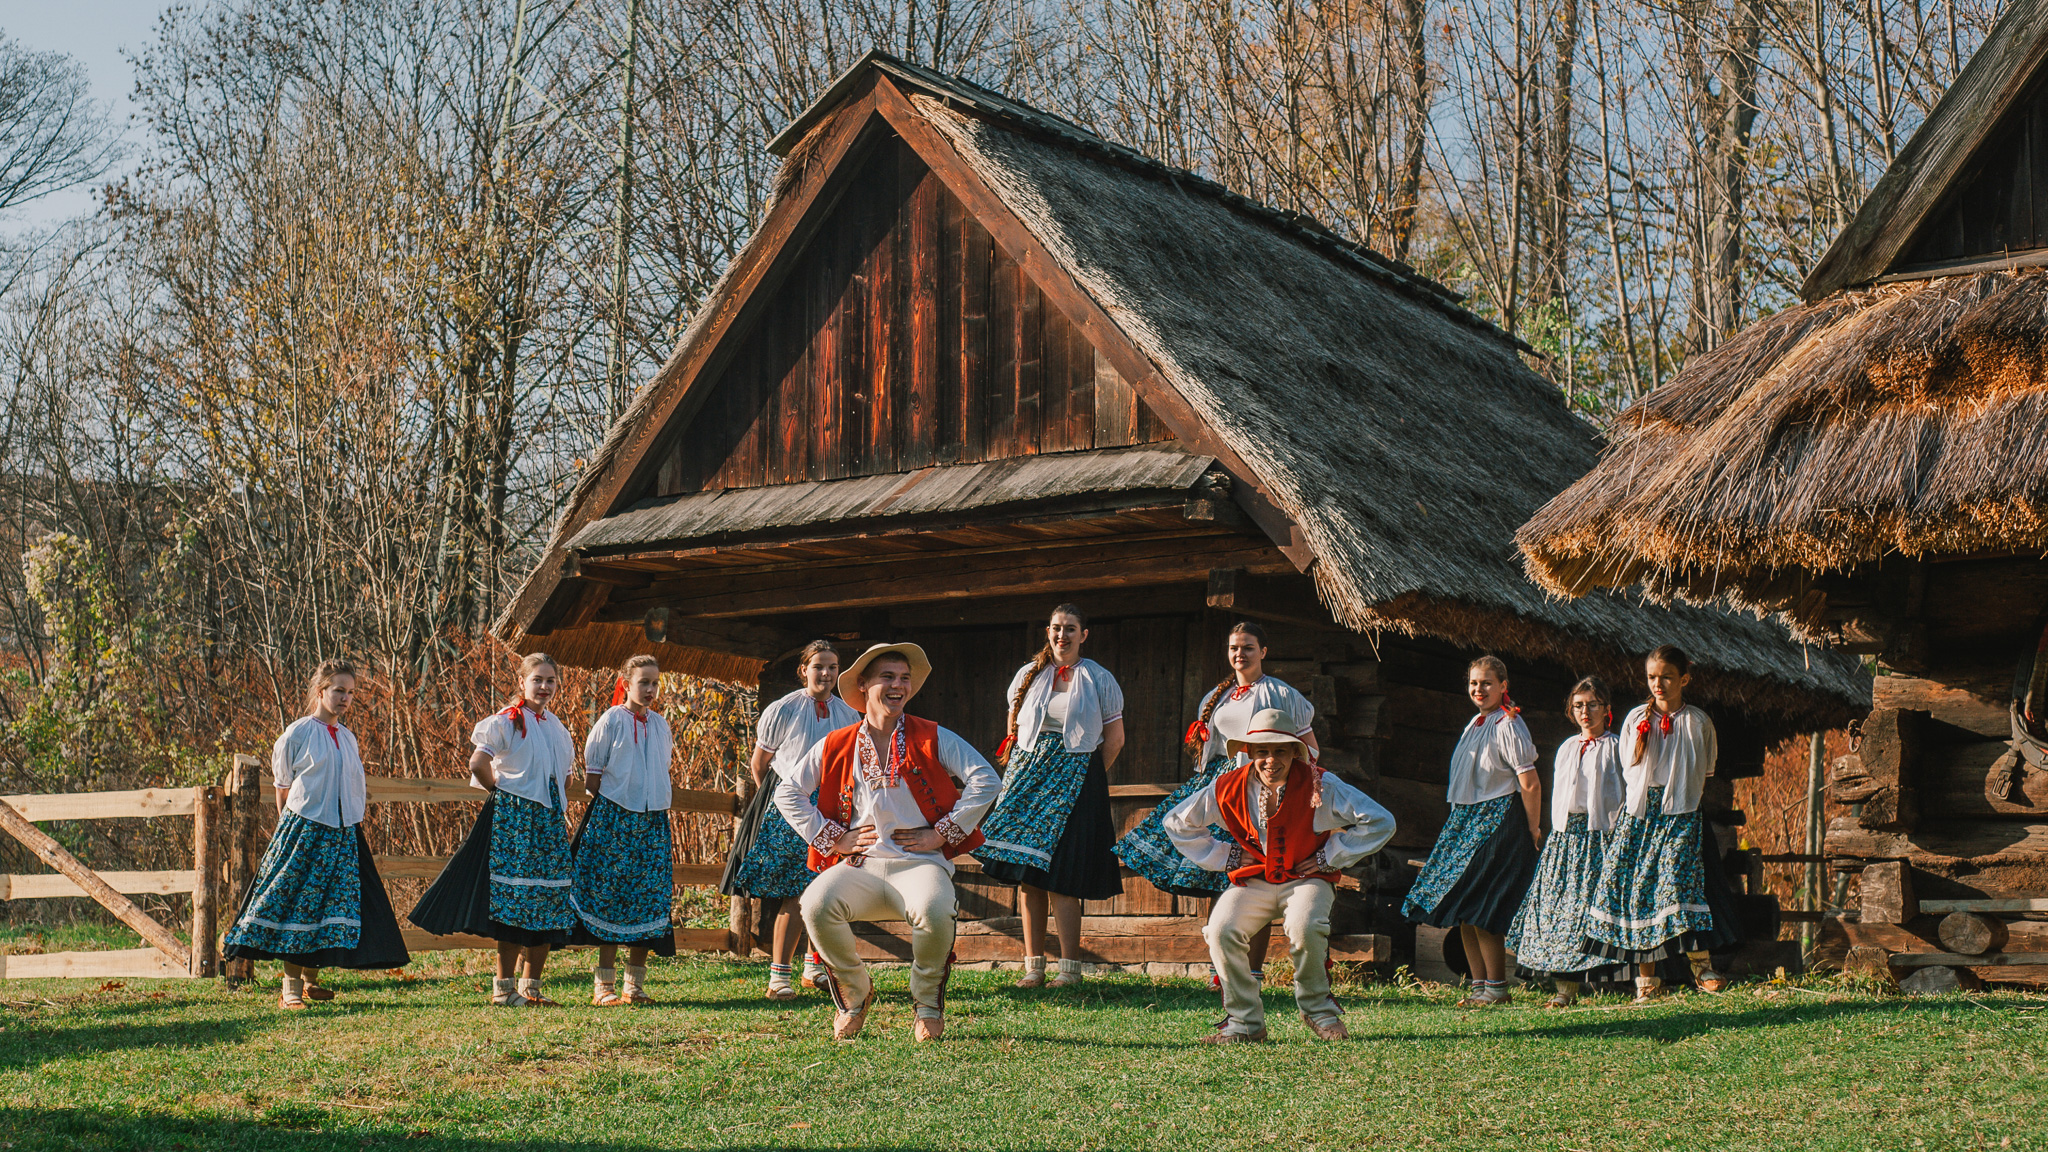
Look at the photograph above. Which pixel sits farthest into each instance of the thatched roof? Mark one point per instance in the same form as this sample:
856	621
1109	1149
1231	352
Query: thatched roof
1909	419
1402	437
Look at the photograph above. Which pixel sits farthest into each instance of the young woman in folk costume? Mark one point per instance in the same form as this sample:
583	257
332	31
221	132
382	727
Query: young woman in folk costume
1661	889
1050	832
316	901
511	878
624	854
1226	711
1290	828
1549	933
897	798
769	861
1485	857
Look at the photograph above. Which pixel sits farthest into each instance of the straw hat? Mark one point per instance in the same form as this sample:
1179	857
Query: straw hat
849	680
1269	726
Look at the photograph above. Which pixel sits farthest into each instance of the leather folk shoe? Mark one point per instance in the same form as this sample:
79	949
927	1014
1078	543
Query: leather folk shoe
1328	1028
930	1027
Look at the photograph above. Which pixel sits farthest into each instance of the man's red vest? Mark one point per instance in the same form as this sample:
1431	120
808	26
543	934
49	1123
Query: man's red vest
926	778
1291	835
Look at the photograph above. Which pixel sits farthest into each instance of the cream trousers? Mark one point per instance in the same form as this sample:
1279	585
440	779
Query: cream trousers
1303	907
916	891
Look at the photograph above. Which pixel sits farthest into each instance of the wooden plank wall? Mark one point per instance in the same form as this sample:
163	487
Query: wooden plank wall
2001	203
904	337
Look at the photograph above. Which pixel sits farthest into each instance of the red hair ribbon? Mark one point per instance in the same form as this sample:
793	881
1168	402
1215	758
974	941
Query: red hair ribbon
619	692
1507	708
518	712
1198	733
1003	749
1663	723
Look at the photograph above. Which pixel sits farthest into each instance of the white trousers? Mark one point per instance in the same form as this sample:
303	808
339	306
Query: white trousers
918	892
1245	911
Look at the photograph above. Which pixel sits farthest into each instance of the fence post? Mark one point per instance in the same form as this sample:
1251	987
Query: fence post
245	795
205	932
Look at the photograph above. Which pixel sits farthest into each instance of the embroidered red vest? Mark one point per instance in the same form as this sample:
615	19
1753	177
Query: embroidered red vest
1291	832
926	778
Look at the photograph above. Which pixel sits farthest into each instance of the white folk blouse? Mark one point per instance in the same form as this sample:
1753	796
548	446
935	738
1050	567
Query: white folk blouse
1357	824
630	754
1093	700
1586	777
790	726
525	763
889	808
1492	752
1234	714
1678	762
322	770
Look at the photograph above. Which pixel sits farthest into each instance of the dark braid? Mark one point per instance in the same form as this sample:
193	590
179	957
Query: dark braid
1038	665
1197	735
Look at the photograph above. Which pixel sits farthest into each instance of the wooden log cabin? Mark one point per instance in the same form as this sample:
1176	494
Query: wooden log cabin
978	361
1869	466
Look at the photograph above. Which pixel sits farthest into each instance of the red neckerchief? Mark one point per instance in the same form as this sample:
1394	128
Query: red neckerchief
334	734
1063	672
882	776
824	707
518	712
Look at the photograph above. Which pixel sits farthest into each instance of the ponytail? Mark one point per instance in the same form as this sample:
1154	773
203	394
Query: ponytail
1038	665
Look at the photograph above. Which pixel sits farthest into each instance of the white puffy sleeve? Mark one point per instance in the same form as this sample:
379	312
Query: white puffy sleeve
1187	825
978	793
597	747
1358	825
493	734
793	801
1710	745
1111	696
287	762
773	729
1517	750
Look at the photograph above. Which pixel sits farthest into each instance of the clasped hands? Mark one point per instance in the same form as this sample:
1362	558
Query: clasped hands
855	841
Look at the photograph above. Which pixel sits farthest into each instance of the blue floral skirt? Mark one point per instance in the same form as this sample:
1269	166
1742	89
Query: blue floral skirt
1051	828
316	901
1661	890
1479	869
1147	850
767	861
625	878
510	879
1549	932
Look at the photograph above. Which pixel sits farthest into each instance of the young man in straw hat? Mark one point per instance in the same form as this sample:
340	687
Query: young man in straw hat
898	798
1292	828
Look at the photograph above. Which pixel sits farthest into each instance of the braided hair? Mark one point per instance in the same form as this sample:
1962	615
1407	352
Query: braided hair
1198	732
1675	656
1039	663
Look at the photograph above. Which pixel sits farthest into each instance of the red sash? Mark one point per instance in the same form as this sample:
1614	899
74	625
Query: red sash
1291	832
926	778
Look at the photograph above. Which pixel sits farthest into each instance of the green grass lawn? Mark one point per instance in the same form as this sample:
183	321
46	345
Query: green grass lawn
421	1063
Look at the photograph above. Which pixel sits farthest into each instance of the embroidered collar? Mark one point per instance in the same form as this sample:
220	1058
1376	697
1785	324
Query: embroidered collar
1063	673
824	706
872	769
1238	691
518	712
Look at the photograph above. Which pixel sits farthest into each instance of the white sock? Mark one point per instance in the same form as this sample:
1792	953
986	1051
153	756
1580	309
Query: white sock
528	988
503	990
1067	967
636	978
1034	965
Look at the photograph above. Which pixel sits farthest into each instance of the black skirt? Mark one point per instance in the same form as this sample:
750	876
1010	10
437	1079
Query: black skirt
743	833
1495	880
459	899
381	944
1084	864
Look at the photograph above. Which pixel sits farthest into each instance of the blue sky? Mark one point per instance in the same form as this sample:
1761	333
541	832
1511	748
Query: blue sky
94	31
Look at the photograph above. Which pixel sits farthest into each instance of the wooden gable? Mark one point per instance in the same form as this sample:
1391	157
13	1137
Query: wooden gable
903	336
1999	202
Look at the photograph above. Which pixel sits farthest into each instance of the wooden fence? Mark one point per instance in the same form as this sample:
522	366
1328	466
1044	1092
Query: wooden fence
228	823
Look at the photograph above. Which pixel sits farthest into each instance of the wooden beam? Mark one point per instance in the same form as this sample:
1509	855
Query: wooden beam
1086	314
2014	904
113	964
441	790
103	805
53	886
1957	960
1289	598
1887	889
823	588
52	853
